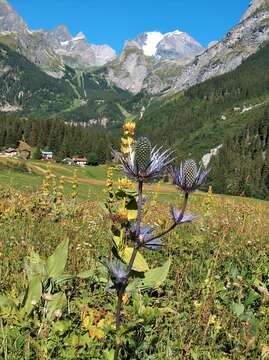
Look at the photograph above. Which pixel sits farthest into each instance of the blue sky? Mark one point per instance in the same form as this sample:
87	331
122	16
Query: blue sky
114	21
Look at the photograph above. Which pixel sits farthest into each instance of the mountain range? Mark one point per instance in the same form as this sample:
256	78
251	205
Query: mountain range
202	102
152	62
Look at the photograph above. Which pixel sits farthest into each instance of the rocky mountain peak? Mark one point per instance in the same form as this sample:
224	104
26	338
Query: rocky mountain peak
240	42
176	45
61	33
52	49
10	21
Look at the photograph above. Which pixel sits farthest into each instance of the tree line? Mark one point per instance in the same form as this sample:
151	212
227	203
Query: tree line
63	139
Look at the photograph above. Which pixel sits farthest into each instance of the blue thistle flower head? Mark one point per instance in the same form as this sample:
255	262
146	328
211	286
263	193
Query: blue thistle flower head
145	234
188	177
180	218
145	163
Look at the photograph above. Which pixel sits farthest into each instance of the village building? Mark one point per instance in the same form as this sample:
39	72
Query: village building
80	161
68	161
10	152
46	155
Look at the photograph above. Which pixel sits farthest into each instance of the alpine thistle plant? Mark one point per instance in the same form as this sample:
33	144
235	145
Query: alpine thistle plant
143	163
188	178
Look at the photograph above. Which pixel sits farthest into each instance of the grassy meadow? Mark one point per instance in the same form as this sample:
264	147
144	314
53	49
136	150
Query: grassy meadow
213	305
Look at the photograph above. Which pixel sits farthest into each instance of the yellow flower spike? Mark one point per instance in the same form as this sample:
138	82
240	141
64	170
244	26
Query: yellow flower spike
128	140
109	179
125	299
125	183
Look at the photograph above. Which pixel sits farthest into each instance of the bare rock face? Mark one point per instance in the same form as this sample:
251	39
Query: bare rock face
77	52
33	45
254	6
241	42
129	71
152	61
178	45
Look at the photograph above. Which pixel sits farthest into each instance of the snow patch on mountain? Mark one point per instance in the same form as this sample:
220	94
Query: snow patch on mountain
79	37
152	41
176	32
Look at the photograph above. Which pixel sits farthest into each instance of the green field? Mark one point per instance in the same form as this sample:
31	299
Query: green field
213	305
91	179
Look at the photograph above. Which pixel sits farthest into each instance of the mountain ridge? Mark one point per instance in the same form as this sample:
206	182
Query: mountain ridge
52	50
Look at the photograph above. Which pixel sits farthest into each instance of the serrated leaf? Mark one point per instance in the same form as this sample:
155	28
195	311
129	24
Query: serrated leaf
57	261
152	279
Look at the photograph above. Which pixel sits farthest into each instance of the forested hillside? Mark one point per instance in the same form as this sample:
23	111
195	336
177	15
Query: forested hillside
203	116
221	111
242	165
65	140
78	96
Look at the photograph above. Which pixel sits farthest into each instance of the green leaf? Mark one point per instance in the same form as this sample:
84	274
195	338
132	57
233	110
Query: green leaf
62	326
140	263
125	253
35	266
238	309
33	294
132	215
57	302
57	261
152	279
132	211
